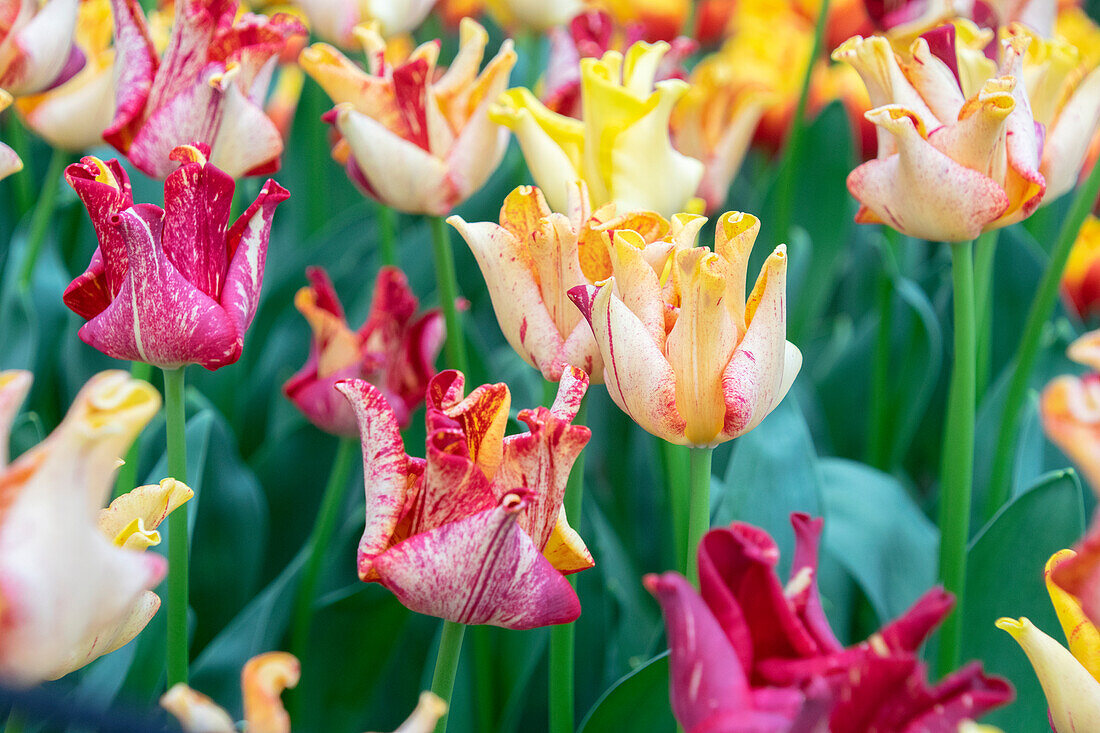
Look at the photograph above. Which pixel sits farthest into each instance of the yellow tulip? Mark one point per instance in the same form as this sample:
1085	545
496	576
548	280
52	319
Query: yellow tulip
621	147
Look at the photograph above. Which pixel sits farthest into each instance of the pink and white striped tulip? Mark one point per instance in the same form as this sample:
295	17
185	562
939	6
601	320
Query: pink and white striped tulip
68	593
686	355
171	286
476	533
395	350
36	44
208	87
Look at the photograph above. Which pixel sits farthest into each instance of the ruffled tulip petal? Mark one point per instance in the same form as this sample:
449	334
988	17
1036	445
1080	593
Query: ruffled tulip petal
638	376
150	504
1073	696
263	680
1081	634
247	244
137	65
919	190
479	570
14	386
482	415
105	191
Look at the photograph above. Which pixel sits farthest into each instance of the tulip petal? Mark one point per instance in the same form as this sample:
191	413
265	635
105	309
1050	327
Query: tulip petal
481	570
263	680
482	416
14	386
1080	576
1067	141
151	504
1070	411
385	469
112	638
734	237
196	712
1073	696
197	202
41	47
104	189
429	709
136	64
1082	636
638	376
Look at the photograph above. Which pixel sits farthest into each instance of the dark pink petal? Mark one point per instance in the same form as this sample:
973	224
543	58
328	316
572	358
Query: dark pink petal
410	87
453	486
912	628
806	599
386	475
867	685
324	292
186	56
247	250
103	201
158	317
136	65
941	42
414	364
252	41
319	400
914	708
707	684
197	202
482	569
88	295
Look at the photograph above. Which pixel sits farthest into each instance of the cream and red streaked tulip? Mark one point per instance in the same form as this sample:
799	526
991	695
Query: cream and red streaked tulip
68	593
335	20
395	349
73	115
264	678
953	161
476	533
749	652
9	161
208	86
36	44
686	355
534	257
415	139
1070	678
621	147
174	286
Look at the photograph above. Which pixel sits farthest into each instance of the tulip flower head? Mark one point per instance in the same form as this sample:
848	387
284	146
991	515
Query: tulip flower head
1077	574
73	114
170	286
335	20
966	145
415	140
264	678
661	20
1081	278
685	354
209	86
36	44
1070	678
9	161
74	589
534	257
476	533
394	350
621	147
749	652
533	15
1069	408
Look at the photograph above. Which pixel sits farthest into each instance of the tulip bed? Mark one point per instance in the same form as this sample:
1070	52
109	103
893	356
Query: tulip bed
581	366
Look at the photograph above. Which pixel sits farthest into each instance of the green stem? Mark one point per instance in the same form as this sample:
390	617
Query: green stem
387	235
446	666
562	664
985	248
675	459
42	217
15	722
23	180
127	477
178	538
484	660
784	192
878	437
1028	351
699	512
958	456
448	294
318	542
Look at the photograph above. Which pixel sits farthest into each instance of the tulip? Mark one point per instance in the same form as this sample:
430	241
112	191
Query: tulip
591	35
9	161
531	261
71	590
692	361
415	140
1077	574
36	46
476	534
335	20
661	19
621	147
1081	278
748	652
1070	678
73	115
175	286
394	350
955	158
208	87
1069	408
263	680
533	15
